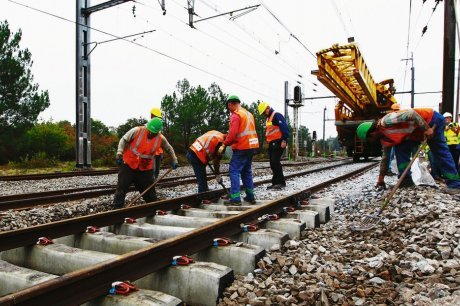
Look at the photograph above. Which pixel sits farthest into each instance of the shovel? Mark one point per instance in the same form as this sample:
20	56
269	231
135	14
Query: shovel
150	187
370	221
221	184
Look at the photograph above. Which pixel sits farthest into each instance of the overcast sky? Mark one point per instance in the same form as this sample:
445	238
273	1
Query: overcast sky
239	55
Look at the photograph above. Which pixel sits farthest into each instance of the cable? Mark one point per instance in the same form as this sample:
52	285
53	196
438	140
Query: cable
407	48
425	28
144	47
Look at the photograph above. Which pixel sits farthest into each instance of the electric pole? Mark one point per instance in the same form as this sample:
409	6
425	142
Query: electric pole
83	79
324	131
448	75
412	69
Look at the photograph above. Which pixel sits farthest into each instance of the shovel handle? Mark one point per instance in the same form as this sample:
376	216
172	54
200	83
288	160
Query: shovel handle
150	187
221	184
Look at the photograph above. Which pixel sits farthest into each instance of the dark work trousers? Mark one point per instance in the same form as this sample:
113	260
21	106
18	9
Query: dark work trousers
199	169
274	153
141	179
156	166
455	155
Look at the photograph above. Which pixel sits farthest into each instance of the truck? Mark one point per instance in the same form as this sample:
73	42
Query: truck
342	69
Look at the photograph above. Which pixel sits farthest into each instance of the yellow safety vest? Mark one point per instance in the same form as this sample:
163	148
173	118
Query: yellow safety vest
452	138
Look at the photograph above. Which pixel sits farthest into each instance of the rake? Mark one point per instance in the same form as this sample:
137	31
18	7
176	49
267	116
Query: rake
370	221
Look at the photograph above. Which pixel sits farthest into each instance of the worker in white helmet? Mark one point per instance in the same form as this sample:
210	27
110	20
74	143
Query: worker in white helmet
451	132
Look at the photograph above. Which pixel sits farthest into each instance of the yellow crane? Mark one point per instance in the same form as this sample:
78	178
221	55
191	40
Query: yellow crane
342	69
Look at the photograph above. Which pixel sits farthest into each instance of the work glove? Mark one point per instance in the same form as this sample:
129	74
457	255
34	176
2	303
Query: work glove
219	178
174	166
119	160
381	186
221	150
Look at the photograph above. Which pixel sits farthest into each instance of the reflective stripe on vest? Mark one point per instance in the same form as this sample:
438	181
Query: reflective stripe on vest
140	153
247	135
205	145
452	138
138	141
272	132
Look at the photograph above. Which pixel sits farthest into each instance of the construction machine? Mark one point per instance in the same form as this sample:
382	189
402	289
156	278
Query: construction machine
344	72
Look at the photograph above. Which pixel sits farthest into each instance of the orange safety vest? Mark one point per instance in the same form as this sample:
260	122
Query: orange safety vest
141	150
272	132
247	135
205	145
402	131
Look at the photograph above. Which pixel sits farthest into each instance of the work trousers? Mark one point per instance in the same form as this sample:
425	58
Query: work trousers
156	165
274	154
241	166
141	180
199	169
455	154
441	154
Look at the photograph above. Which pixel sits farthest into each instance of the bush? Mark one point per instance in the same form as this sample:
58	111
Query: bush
38	160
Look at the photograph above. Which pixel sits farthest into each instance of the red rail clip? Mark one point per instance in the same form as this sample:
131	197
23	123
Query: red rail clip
221	242
206	202
250	227
303	202
123	288
130	220
185	206
288	209
92	229
183	260
44	241
160	213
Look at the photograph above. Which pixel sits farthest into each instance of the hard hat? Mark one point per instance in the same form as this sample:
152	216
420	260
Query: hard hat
363	129
262	107
395	107
233	98
155	125
447	114
156	111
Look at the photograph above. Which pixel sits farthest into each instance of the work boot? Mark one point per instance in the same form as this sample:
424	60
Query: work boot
407	182
452	191
278	186
232	202
250	200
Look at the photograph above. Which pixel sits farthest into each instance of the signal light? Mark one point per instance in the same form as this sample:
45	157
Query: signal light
297	94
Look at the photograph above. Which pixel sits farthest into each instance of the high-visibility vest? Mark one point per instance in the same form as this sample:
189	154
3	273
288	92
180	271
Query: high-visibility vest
272	132
402	131
247	135
141	150
205	145
452	138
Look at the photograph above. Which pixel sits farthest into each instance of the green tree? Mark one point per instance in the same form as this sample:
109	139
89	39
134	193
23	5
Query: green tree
20	100
49	138
130	123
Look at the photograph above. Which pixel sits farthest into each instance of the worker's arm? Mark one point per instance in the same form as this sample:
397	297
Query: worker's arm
126	139
168	149
232	130
216	159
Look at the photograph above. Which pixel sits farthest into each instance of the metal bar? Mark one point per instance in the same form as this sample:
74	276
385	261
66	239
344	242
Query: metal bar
95	281
102	6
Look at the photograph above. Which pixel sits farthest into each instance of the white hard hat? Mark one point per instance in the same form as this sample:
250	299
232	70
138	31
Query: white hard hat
447	114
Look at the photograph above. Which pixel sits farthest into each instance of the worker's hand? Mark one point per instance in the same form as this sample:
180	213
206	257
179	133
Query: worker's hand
380	185
221	150
119	160
219	178
174	166
429	133
283	144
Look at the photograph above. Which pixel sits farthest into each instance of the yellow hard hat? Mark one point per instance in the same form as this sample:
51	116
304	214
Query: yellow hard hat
156	112
395	107
262	107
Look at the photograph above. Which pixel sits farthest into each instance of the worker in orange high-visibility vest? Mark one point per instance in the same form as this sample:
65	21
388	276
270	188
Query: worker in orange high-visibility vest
156	113
242	137
135	154
277	136
203	150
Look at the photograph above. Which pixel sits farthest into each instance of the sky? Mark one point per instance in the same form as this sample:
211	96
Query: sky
251	56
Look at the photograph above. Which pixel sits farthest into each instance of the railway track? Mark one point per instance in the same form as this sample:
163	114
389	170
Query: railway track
79	286
30	200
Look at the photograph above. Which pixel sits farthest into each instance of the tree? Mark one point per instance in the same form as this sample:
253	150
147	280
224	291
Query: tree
130	123
48	138
20	100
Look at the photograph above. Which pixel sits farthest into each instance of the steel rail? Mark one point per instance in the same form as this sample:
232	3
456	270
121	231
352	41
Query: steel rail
26	201
96	280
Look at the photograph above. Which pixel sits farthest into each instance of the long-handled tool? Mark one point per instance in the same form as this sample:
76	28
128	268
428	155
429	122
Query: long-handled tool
150	187
370	221
220	182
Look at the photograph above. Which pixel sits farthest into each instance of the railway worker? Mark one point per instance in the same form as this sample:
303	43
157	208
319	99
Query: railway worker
404	130
277	135
156	113
206	148
242	137
395	107
451	132
135	156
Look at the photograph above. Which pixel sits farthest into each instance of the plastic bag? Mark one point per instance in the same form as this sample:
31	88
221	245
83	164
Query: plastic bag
420	174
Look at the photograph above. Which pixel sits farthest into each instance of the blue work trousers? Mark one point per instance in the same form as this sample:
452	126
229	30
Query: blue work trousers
199	169
438	146
241	165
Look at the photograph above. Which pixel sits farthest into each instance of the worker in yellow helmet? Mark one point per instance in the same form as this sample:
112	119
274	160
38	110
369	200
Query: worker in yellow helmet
277	135
451	132
156	113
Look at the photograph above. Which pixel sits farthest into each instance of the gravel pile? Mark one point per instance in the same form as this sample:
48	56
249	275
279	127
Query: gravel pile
411	258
